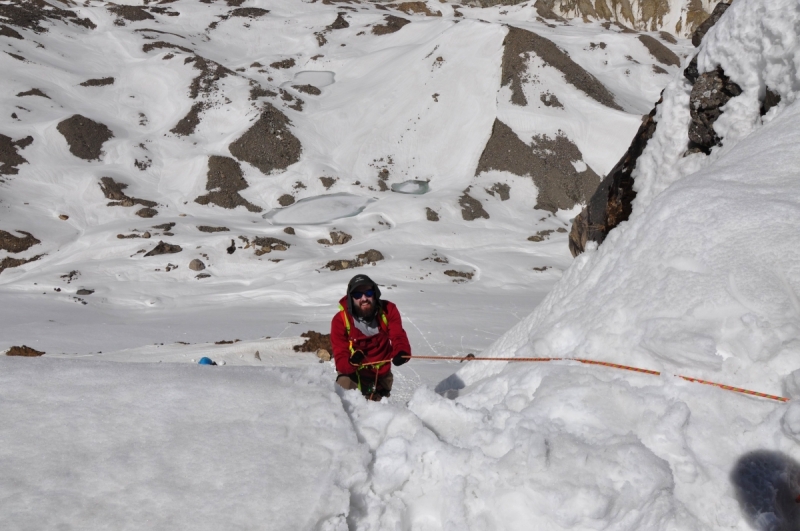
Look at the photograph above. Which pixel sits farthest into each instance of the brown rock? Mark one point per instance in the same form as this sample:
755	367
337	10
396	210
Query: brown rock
391	24
8	262
431	214
84	136
100	82
25	351
471	208
314	342
197	265
164	248
147	212
16	244
286	200
206	228
708	23
370	257
711	91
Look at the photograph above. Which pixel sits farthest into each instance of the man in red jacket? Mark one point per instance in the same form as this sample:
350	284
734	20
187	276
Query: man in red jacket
366	335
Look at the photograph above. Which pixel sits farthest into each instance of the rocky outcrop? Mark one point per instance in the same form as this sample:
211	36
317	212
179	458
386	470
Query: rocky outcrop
517	46
611	204
9	156
84	136
269	144
548	161
683	18
225	181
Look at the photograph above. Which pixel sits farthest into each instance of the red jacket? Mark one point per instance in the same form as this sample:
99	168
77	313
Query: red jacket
390	340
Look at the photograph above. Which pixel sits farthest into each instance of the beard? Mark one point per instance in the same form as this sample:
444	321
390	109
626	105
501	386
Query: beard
364	309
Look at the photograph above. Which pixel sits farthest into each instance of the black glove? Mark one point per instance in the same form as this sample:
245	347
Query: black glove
357	358
400	359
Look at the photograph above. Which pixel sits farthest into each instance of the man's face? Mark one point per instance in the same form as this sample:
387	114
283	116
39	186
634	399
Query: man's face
363	300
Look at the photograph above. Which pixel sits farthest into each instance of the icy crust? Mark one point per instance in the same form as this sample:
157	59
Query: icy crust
94	445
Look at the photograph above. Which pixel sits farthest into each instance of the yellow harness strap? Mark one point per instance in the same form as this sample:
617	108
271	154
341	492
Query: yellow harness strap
378	364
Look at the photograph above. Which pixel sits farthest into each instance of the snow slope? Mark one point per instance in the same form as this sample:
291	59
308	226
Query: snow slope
702	280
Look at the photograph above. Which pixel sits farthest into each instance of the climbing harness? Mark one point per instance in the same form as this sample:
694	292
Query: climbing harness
613	366
375	365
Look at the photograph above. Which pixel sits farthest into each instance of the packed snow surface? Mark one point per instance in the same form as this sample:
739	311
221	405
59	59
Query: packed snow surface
702	281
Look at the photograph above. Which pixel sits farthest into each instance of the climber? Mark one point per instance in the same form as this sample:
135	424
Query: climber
366	335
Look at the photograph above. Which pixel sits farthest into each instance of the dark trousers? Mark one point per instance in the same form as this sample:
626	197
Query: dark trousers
383	387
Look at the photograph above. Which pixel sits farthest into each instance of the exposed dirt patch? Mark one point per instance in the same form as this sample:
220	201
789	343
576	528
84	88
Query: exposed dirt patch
286	200
84	136
471	208
249	12
9	262
85	292
431	215
34	92
658	70
5	31
668	37
164	248
257	91
269	144
314	342
267	244
391	24
337	238
24	351
289	230
100	82
547	160
159	45
225	181
210	73
189	123
327	182
662	54
501	189
130	13
370	257
339	23
459	276
206	228
114	191
550	100
419	8
30	14
15	244
9	157
286	63
307	89
541	236
519	43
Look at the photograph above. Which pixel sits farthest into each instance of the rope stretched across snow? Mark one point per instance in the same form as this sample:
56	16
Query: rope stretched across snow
613	366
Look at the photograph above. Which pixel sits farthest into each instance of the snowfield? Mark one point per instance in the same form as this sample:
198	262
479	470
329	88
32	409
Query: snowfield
347	104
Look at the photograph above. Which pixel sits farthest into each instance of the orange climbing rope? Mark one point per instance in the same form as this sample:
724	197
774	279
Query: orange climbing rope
613	366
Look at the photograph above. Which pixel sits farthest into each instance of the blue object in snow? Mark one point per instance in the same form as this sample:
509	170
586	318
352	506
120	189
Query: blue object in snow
206	361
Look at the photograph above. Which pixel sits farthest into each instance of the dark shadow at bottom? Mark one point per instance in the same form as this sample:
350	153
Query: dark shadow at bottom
767	486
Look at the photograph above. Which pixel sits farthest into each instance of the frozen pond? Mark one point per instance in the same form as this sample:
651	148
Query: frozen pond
319	209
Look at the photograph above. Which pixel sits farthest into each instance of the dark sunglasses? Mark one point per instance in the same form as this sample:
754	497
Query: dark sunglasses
358	294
